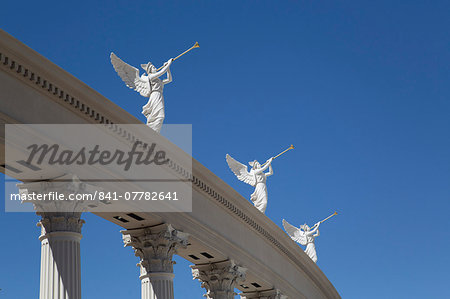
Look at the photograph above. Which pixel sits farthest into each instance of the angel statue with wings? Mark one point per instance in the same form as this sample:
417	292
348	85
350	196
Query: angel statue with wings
255	178
304	236
149	85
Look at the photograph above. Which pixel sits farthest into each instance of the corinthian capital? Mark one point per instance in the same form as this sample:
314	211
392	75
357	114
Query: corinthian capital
55	202
219	279
155	246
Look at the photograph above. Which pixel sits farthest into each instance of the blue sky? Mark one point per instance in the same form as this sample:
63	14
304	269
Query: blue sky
361	88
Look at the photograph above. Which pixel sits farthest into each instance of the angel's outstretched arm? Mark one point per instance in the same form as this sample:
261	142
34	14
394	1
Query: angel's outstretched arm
162	71
315	229
257	171
270	171
317	233
169	77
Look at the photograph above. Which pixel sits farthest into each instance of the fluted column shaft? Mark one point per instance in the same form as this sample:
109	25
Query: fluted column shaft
60	275
60	265
155	246
157	285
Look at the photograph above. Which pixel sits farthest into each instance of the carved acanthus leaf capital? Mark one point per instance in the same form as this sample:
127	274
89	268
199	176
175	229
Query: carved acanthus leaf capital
219	279
60	195
60	222
155	246
54	202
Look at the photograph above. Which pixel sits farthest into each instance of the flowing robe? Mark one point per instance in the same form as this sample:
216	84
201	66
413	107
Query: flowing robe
154	109
311	248
259	196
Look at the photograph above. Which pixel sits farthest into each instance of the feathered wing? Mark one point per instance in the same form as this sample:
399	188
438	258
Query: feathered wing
130	75
295	233
240	170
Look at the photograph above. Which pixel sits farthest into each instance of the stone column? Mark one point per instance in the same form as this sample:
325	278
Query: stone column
219	279
269	294
60	236
155	246
60	256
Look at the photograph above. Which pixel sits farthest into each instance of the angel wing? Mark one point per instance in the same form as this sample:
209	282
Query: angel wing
240	170
130	75
295	233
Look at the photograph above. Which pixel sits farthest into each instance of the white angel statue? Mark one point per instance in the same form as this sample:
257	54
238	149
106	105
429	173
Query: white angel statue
148	86
305	236
256	178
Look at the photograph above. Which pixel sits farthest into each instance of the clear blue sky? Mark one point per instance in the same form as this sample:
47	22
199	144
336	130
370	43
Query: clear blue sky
360	87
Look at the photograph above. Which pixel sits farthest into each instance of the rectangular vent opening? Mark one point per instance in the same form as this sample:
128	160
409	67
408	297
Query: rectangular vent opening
121	219
207	255
244	286
255	285
10	168
134	216
28	165
193	257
